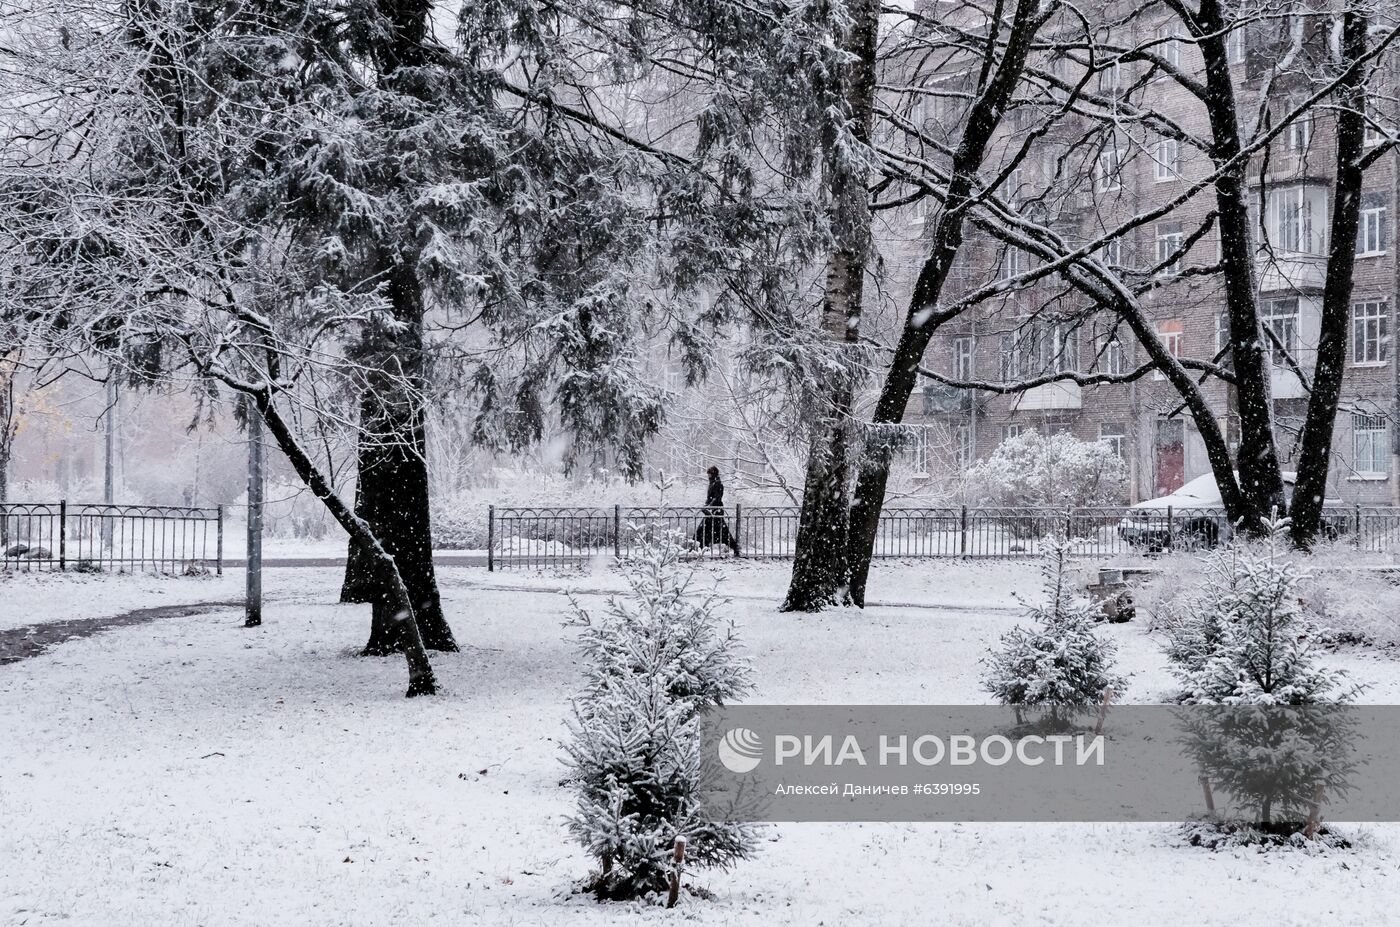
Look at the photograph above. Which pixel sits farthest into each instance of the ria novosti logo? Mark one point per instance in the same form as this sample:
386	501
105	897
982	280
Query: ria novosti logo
740	750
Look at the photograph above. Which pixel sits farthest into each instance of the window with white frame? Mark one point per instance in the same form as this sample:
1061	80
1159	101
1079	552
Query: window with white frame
1111	252
1279	318
1012	430
1110	355
1011	263
1370	233
1370	332
1111	77
964	357
1222	331
1108	171
1038	348
1298	135
1168	47
1115	435
1370	444
1170	240
963	448
1295	218
1235	45
1168	158
1171	333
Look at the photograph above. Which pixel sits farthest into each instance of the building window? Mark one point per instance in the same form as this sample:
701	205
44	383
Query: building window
1170	240
1110	253
1111	78
1370	444
1169	49
1298	135
1290	214
962	445
964	357
1011	263
1012	430
1235	45
1108	354
1038	348
1222	332
1168	158
1108	171
1370	333
1370	233
1170	333
1115	435
1280	318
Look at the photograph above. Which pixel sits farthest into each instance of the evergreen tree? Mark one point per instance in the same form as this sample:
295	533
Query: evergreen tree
653	661
1059	662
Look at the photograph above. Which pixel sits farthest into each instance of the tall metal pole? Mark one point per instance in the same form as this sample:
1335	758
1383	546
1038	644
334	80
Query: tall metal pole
109	464
252	608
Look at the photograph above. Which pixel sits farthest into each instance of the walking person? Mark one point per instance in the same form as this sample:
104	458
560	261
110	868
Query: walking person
713	527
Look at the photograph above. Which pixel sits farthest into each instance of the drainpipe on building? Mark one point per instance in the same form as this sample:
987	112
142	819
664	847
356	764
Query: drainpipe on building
1394	318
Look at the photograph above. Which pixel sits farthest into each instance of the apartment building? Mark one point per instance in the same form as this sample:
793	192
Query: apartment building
1084	189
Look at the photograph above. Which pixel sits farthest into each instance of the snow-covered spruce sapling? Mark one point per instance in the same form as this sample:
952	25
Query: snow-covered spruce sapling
1265	735
1057	663
653	660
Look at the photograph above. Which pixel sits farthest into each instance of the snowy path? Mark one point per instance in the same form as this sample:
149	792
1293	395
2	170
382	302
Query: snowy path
149	774
23	642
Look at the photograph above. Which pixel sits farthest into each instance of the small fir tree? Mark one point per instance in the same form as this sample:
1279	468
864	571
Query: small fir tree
654	660
1059	662
1265	733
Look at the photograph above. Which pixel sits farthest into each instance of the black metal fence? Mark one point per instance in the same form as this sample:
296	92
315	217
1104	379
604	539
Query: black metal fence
83	536
549	536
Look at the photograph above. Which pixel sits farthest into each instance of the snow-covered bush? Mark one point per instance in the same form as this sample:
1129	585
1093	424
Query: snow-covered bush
1056	470
653	660
1058	662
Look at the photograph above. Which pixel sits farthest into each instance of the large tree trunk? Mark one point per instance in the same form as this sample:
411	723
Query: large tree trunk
819	569
392	494
921	319
1260	476
1316	446
395	605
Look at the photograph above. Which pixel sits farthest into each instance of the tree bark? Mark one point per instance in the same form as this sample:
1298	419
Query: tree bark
921	320
392	492
819	570
1310	490
395	604
1260	476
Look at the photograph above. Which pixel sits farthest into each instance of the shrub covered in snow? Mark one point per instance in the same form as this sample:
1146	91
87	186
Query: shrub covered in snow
1054	470
1059	662
653	660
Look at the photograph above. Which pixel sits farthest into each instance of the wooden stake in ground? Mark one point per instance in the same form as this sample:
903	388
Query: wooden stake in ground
1103	709
1314	814
678	859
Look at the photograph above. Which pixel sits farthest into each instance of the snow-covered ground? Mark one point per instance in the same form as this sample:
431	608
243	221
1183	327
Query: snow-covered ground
189	771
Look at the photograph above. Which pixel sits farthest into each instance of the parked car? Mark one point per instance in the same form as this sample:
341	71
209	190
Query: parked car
1193	517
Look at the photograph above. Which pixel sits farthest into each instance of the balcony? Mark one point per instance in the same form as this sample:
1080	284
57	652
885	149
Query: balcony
1051	396
1292	272
942	399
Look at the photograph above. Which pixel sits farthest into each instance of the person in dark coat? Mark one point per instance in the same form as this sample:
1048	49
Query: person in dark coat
713	528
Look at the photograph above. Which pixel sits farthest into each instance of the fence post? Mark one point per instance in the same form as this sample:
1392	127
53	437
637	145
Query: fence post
1358	525
617	532
62	535
738	513
1171	529
962	532
219	547
490	539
